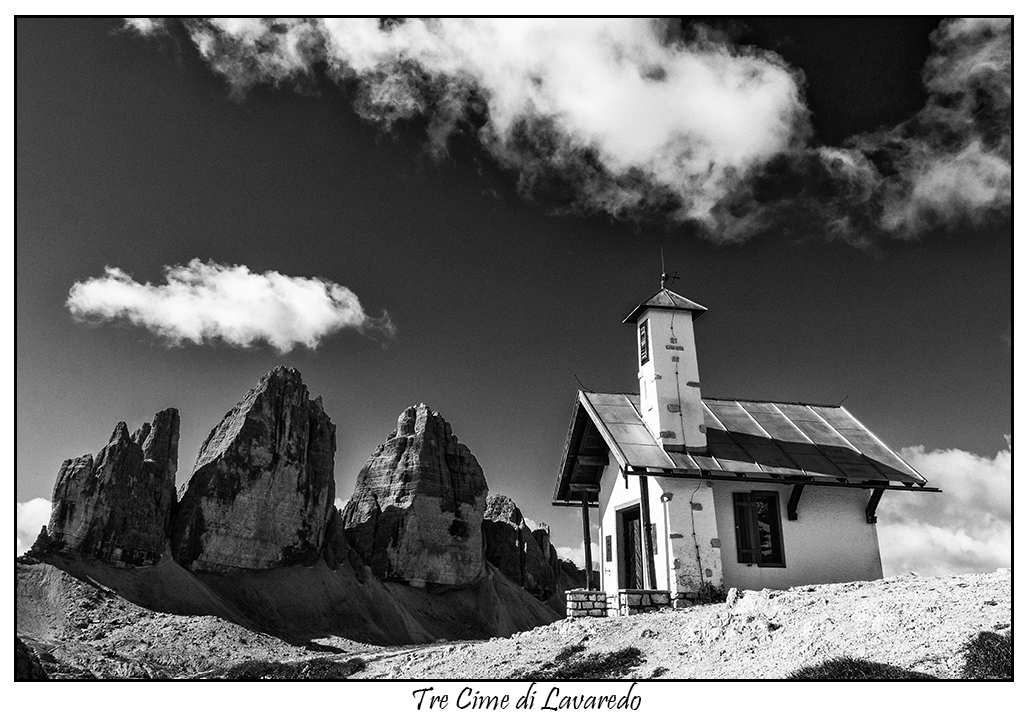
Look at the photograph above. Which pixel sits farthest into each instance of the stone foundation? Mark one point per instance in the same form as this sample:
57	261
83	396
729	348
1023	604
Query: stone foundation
586	603
681	600
632	602
597	603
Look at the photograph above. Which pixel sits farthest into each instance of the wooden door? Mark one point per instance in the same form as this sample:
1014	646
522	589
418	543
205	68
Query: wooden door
632	558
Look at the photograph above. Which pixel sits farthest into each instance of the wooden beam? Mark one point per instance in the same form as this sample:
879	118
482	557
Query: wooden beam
593	461
584	487
796	494
588	563
646	537
768	478
871	507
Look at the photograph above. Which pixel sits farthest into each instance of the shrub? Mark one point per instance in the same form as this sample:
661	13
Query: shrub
849	668
595	666
988	656
710	594
321	668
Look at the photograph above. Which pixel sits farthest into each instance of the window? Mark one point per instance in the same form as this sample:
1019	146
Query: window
644	341
757	526
608	548
655	543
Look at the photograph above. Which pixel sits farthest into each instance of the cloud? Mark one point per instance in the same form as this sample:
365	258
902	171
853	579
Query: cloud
631	118
953	161
966	528
606	115
576	555
948	165
340	503
31	516
205	302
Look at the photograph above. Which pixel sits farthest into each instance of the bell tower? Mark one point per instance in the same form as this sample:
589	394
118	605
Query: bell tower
671	397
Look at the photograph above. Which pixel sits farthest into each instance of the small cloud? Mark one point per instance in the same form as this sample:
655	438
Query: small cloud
206	302
576	555
966	528
340	503
145	25
31	516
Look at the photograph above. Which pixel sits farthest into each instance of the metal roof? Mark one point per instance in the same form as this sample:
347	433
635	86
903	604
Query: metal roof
668	300
759	440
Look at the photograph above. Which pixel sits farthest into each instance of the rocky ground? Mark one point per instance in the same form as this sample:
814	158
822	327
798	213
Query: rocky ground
909	622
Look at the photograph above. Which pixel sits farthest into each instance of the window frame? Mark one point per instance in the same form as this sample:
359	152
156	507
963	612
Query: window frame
747	533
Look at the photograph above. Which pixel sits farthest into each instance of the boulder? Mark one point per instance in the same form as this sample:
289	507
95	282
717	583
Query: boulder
118	507
261	494
418	505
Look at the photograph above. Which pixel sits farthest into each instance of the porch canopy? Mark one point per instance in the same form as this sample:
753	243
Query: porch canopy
755	441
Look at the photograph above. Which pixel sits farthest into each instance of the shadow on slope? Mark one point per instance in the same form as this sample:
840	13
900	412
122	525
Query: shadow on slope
298	604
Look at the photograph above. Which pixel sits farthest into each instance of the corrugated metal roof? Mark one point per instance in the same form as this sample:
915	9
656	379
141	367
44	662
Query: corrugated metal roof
666	299
761	439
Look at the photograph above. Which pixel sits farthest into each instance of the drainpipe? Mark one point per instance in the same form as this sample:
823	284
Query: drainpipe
666	498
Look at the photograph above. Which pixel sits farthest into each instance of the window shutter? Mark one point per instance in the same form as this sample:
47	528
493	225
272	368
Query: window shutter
745	528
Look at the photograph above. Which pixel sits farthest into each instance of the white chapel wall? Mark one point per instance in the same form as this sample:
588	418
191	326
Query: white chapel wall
691	522
679	567
831	542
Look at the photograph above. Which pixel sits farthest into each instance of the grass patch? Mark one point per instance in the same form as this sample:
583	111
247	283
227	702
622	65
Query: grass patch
594	666
988	656
321	668
849	668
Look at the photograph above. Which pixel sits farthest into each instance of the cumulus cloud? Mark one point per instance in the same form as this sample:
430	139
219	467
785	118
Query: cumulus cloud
950	164
966	528
610	115
952	161
31	516
204	302
576	555
628	117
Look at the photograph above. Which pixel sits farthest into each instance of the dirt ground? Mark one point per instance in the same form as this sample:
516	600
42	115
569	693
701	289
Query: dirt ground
910	622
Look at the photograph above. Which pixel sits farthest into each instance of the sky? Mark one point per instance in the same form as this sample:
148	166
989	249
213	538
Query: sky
461	214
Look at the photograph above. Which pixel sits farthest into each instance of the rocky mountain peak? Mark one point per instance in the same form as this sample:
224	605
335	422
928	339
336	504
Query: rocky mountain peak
118	507
262	489
418	505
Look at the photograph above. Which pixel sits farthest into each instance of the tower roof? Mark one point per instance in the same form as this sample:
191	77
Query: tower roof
666	299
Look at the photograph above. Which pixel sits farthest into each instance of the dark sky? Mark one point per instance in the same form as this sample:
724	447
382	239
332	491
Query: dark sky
131	153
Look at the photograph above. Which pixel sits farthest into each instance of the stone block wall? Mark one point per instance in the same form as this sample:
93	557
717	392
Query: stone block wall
632	602
684	599
597	603
586	603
